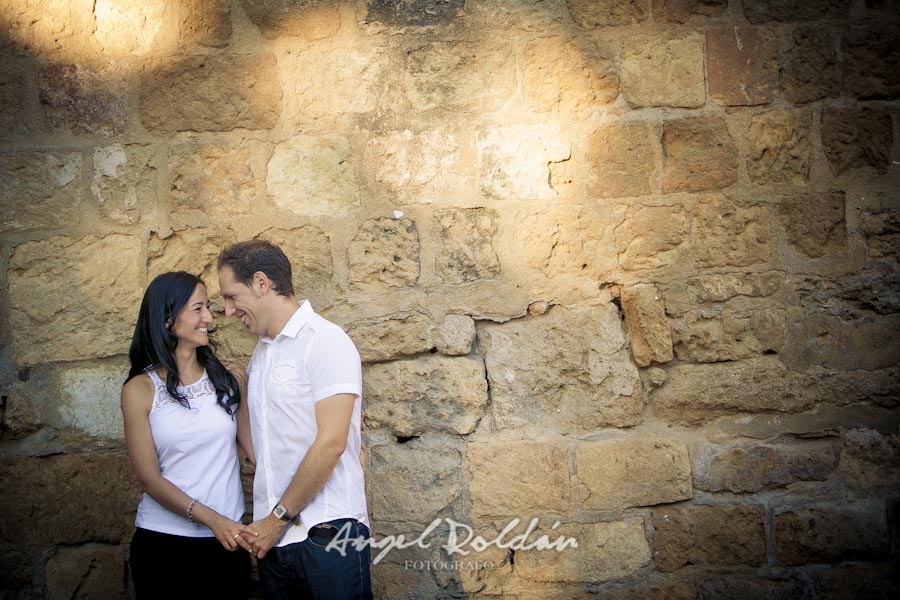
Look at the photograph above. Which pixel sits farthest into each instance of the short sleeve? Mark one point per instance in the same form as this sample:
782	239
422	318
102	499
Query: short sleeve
334	365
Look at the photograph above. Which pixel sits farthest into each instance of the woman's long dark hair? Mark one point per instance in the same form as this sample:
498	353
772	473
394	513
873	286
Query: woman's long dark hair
153	344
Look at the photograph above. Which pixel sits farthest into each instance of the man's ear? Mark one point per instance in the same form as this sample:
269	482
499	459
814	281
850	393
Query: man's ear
261	282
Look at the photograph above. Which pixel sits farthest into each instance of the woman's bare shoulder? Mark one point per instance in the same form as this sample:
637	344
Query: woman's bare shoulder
138	390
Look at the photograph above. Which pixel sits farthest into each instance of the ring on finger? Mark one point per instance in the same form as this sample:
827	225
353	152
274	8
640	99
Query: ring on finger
236	536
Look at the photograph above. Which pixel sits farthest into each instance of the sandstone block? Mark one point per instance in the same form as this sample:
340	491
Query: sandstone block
460	75
627	472
58	285
714	336
664	71
87	572
814	223
218	92
90	400
133	28
709	535
412	484
652	236
19	419
870	461
591	13
881	230
810	65
700	155
855	138
385	252
825	419
828	535
683	11
412	397
15	99
97	504
738	587
39	189
124	181
875	582
648	328
467	252
869	342
742	65
307	19
313	175
309	250
503	486
392	336
625	160
455	334
779	147
421	167
193	250
567	369
743	469
34	29
205	23
416	13
761	11
651	588
606	551
16	571
80	100
706	291
515	161
724	234
568	74
870	58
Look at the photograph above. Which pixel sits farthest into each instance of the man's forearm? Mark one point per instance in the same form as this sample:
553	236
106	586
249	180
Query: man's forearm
312	475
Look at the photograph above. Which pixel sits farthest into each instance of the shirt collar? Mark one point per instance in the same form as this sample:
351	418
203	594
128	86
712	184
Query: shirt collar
300	318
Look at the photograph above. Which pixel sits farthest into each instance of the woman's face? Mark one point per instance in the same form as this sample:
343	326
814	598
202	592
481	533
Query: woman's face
192	323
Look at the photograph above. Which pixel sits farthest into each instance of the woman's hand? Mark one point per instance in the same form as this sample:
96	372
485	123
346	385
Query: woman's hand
229	532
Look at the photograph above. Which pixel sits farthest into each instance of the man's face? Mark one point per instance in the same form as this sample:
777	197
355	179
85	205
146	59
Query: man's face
242	301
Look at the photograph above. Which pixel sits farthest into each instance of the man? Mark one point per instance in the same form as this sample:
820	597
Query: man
304	392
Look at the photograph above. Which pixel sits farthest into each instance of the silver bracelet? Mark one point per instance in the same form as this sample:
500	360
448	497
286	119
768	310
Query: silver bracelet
190	511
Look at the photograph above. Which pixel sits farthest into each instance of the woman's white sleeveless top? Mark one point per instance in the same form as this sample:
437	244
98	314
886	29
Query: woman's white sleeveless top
197	452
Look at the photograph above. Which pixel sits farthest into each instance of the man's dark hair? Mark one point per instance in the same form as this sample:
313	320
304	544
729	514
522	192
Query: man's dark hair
246	258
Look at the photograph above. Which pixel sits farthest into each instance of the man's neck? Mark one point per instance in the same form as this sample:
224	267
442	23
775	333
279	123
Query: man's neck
283	308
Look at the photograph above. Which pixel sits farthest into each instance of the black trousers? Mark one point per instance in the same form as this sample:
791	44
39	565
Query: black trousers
170	567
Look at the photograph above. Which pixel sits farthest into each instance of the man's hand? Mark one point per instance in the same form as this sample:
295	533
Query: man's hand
270	531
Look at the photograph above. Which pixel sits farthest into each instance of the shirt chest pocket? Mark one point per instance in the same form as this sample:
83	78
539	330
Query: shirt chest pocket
288	383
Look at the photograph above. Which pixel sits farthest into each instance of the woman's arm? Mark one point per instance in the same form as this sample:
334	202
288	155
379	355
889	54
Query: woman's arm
137	399
245	443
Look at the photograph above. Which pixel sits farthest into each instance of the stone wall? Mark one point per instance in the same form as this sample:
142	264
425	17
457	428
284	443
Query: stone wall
627	266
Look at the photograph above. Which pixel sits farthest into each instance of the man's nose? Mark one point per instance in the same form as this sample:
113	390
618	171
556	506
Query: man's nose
229	308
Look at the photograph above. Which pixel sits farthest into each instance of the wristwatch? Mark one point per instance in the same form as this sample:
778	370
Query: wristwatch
281	512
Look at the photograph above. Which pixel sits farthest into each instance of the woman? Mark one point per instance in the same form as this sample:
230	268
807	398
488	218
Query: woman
183	413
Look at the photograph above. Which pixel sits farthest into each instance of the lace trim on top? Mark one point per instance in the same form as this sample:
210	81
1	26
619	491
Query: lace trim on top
199	389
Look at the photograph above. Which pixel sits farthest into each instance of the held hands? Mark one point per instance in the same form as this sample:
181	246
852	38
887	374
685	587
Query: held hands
270	531
232	534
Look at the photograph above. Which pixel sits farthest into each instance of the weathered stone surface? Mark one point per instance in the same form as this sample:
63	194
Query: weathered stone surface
810	64
385	252
467	252
870	461
191	250
652	236
648	328
39	189
308	19
874	288
459	74
501	486
814	223
605	551
86	572
15	115
432	393
709	335
421	167
664	71
218	92
19	417
593	13
56	28
568	74
760	11
124	181
870	59
205	23
742	469
16	572
455	334
625	160
825	419
568	369
760	385
744	587
854	138
651	587
824	535
413	13
90	400
882	231
135	28
742	65
570	240
707	291
515	161
392	336
525	15
779	147
309	250
80	100
849	582
412	484
88	281
313	175
709	535
700	155
97	504
724	234
627	472
682	11
869	342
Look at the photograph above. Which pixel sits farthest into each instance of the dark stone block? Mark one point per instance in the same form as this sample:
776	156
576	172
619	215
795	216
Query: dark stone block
420	13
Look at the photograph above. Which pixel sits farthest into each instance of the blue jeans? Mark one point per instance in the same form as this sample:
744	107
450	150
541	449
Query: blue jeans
307	570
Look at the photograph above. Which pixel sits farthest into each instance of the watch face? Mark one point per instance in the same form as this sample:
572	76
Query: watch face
279	511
